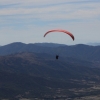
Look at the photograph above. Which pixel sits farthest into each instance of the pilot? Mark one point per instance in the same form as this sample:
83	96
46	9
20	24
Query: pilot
57	56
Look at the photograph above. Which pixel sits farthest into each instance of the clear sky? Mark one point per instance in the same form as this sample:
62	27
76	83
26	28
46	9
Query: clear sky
27	20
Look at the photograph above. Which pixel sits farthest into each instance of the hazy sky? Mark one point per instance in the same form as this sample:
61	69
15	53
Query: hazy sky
27	20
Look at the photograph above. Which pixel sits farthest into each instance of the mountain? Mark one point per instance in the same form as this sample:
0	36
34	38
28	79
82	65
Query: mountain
80	51
41	76
49	44
94	44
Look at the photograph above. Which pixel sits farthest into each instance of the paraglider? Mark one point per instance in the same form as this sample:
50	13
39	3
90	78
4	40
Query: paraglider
64	31
60	30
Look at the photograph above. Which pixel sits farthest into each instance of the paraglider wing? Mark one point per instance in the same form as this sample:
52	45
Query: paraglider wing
64	31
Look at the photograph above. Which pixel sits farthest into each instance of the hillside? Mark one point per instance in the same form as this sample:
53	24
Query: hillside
39	75
80	51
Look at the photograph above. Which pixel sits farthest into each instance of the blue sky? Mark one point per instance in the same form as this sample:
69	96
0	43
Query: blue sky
27	21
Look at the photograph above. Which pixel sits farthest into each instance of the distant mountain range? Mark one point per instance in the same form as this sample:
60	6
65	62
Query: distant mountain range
80	51
94	44
31	71
49	44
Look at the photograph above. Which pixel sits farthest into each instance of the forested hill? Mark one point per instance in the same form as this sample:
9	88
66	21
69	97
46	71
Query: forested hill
31	71
39	75
79	51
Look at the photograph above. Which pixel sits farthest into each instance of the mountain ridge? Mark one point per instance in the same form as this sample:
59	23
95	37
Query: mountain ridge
79	51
